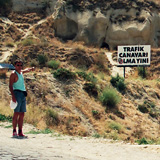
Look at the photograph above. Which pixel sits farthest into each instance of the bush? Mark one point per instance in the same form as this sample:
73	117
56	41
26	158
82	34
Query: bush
146	107
96	114
52	117
150	104
5	118
87	76
27	42
53	64
150	108
110	97
42	59
115	126
142	72
46	131
96	135
118	82
142	141
64	74
143	108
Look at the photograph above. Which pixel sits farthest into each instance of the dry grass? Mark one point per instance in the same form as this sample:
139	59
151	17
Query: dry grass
36	115
5	108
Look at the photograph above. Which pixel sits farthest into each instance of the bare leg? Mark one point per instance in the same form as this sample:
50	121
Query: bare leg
20	120
15	120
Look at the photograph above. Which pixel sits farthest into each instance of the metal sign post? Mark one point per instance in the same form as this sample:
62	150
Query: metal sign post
124	70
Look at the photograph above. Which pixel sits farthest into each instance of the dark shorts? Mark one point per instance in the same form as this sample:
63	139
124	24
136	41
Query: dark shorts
21	100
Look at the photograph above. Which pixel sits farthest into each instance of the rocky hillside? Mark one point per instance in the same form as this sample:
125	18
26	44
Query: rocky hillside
64	92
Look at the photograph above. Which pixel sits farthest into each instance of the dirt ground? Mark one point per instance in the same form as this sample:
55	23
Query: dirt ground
59	147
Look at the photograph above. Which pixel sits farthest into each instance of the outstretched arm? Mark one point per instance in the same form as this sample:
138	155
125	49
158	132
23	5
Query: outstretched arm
28	70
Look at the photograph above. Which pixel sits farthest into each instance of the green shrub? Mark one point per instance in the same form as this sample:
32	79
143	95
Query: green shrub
42	59
51	117
27	42
115	126
64	74
46	131
5	118
96	135
96	114
150	108
9	126
121	86
142	72
53	64
87	76
142	141
110	97
143	108
146	107
150	104
118	82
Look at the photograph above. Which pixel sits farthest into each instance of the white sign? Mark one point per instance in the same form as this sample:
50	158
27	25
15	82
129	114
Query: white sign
137	55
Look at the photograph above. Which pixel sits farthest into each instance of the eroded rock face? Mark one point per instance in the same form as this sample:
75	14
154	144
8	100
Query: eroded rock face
33	5
115	27
24	5
65	28
111	25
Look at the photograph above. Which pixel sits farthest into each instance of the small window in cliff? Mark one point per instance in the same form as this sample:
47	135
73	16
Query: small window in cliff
105	45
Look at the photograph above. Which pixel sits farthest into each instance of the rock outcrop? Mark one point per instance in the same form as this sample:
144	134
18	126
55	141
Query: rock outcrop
101	23
33	5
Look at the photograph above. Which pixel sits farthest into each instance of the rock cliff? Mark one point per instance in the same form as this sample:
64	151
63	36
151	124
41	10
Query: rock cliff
101	23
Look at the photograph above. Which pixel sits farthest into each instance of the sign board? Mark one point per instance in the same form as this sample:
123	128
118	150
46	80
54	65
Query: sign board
134	55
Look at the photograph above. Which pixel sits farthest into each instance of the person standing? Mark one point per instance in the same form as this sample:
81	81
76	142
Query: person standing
18	92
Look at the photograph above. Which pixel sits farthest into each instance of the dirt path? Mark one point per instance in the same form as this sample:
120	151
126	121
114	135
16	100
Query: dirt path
6	52
56	147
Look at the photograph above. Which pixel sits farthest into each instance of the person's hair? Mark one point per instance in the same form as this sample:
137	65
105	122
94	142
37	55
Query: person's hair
18	61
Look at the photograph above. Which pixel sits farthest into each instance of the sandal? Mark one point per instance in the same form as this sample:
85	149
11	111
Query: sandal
15	135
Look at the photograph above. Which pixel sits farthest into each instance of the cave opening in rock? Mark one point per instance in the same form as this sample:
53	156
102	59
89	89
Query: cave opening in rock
105	45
